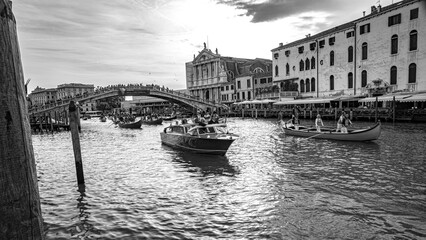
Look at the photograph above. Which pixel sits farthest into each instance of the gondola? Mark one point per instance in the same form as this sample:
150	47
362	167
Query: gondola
169	118
133	125
365	134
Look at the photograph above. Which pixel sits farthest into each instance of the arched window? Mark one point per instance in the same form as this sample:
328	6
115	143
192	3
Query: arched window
394	44
350	80
413	40
350	54
308	85
364	78
302	86
287	69
393	75
364	51
313	84
412	73
276	70
301	65
332	58
331	82
312	63
307	64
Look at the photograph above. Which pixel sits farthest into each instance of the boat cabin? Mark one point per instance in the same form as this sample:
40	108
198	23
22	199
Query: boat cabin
196	130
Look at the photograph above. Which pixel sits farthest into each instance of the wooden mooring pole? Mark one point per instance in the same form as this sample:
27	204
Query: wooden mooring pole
20	214
74	127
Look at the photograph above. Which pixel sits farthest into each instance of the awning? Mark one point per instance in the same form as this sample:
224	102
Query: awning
256	102
348	98
305	101
415	98
268	101
385	98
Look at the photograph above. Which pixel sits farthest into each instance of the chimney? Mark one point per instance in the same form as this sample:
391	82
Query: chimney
373	9
281	44
379	8
363	13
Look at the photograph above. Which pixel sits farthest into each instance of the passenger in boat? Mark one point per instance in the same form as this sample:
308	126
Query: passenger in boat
214	118
318	121
294	121
340	122
346	122
202	120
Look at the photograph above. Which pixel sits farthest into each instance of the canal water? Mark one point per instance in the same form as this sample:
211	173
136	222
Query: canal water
268	186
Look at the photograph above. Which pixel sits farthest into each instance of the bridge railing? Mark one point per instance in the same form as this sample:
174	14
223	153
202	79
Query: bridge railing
187	96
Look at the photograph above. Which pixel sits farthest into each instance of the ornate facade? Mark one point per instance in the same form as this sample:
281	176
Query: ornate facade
389	45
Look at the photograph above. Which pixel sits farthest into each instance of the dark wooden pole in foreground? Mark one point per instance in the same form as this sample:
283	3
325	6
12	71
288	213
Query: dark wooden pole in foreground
20	214
74	127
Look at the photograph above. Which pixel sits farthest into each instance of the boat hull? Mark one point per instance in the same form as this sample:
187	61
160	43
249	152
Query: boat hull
368	134
133	125
197	144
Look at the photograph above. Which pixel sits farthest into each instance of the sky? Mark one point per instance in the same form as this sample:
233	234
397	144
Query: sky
149	41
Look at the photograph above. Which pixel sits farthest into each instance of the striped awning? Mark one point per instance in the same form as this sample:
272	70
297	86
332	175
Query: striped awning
415	98
305	101
385	98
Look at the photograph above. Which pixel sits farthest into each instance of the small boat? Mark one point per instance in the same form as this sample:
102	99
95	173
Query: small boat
172	117
209	139
365	134
157	121
133	125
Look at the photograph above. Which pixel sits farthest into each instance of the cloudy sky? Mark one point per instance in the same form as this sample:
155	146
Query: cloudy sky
148	41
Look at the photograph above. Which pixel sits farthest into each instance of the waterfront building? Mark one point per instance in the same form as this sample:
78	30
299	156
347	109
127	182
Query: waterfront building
68	90
386	47
41	96
211	76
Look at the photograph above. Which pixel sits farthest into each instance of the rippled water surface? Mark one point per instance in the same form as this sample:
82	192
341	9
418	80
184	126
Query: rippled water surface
268	186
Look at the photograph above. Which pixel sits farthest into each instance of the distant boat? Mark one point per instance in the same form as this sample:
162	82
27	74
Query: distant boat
172	117
133	125
209	139
364	134
157	121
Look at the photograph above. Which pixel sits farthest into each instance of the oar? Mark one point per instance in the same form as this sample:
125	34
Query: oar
316	135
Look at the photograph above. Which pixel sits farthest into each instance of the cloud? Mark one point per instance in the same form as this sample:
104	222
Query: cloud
272	10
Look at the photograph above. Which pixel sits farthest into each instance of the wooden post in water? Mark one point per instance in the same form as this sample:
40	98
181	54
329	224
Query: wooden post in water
51	121
73	110
393	109
20	214
377	106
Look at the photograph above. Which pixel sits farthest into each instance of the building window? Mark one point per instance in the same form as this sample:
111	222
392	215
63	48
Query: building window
276	55
393	75
238	85
262	80
414	13
301	65
269	80
301	49
364	78
313	84
287	53
248	83
302	86
227	88
412	73
350	80
364	51
276	70
394	44
308	85
350	54
222	89
307	64
332	58
287	69
350	34
413	40
248	95
364	28
312	63
321	43
232	87
331	82
395	19
331	41
312	46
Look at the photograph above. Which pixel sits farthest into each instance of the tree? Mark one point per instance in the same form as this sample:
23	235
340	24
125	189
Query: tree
20	213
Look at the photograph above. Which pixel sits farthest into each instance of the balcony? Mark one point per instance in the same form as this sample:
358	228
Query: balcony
412	87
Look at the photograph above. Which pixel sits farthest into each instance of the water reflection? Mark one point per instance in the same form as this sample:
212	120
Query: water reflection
204	163
83	228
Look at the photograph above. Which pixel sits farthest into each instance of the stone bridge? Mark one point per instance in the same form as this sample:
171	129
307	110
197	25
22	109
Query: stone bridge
152	91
